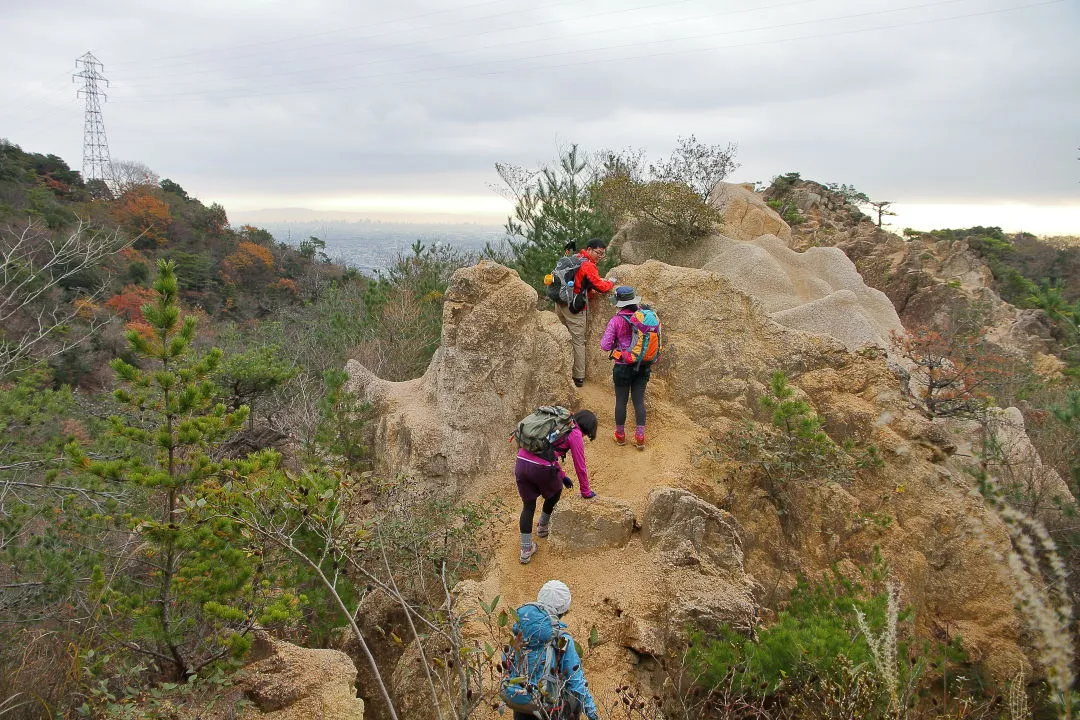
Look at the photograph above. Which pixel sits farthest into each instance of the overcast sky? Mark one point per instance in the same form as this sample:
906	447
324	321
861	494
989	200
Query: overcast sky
403	107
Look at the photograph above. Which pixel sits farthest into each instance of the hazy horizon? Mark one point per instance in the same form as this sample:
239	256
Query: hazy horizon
400	110
1043	220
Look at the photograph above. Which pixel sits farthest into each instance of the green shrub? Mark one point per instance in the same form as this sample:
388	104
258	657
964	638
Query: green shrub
808	639
794	448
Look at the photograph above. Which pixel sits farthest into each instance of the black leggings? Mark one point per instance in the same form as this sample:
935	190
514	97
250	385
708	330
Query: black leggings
630	383
571	710
528	509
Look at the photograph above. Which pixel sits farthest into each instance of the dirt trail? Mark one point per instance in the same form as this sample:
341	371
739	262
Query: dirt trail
605	584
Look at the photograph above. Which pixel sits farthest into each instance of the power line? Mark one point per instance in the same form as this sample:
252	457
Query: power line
13	110
276	43
622	11
96	164
50	112
352	84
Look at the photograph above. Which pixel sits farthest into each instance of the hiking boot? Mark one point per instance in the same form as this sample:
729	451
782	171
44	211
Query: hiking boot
580	382
527	553
639	440
620	438
589	495
543	529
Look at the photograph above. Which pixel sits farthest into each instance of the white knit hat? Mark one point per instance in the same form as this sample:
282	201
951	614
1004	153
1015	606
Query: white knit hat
554	595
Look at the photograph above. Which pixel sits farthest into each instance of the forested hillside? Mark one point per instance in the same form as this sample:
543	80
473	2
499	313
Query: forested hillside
147	349
857	498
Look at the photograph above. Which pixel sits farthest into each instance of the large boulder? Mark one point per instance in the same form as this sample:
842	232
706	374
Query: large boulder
818	291
684	530
719	343
294	683
499	357
746	215
599	523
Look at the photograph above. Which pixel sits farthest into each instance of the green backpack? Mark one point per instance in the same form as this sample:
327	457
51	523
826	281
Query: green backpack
542	428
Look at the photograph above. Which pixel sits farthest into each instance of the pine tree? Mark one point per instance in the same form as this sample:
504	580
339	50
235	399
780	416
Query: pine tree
554	207
181	589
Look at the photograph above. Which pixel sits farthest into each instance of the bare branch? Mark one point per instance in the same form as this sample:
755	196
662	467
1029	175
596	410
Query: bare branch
34	265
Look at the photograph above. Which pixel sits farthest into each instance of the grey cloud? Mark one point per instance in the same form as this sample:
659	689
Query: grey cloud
334	97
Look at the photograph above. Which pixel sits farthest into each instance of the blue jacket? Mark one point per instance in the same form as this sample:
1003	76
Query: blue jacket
537	628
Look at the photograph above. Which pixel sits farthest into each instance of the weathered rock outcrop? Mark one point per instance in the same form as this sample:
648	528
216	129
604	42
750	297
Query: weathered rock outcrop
717	340
817	291
294	683
715	542
746	215
499	357
926	279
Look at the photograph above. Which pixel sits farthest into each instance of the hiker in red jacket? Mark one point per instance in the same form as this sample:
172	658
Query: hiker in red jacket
537	477
587	280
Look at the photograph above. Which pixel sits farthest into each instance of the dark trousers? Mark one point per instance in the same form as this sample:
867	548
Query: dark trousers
535	481
528	510
571	710
630	383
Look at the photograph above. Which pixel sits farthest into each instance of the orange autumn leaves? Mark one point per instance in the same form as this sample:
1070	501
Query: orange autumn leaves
952	373
128	305
251	265
140	212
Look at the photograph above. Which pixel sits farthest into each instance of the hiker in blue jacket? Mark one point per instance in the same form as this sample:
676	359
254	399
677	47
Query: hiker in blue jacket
539	626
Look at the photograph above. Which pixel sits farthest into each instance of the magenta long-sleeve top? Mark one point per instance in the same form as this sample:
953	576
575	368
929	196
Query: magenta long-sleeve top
574	443
618	334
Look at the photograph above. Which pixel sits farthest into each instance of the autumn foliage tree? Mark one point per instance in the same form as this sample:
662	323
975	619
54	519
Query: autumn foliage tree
252	265
129	302
145	215
953	373
673	193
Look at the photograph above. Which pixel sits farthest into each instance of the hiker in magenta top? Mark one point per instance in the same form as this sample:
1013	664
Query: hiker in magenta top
629	375
537	477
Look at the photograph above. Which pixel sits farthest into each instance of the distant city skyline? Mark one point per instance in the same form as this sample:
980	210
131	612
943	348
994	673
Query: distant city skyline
400	110
1061	219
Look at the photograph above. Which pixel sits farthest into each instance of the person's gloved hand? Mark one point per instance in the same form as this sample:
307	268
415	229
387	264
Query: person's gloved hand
567	482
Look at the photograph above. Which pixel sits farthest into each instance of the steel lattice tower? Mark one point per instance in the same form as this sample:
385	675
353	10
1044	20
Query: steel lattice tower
96	163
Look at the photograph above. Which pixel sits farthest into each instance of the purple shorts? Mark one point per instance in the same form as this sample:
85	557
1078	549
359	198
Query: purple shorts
535	481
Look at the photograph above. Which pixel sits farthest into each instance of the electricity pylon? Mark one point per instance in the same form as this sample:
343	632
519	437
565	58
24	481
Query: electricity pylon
96	163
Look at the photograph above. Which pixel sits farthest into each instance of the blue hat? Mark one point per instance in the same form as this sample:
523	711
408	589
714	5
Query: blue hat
625	295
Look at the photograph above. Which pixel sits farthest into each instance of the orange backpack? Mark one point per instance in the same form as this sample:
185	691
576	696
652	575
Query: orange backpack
645	338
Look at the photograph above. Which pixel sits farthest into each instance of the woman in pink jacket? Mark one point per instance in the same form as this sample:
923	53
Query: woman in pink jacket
629	379
537	477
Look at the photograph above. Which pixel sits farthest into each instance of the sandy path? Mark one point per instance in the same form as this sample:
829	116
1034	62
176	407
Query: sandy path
610	583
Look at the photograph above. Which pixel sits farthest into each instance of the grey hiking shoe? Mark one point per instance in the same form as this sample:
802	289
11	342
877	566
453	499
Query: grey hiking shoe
543	529
527	553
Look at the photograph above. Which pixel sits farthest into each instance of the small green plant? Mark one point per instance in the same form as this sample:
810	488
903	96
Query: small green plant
836	650
794	448
179	591
787	210
806	640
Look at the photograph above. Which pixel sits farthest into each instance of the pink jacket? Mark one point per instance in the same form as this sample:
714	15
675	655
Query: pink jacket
574	443
618	334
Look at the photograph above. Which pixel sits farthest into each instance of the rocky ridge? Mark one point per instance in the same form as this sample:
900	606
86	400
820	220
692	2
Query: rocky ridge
927	280
684	534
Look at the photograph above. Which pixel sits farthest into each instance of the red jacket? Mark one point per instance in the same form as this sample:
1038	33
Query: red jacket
589	271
